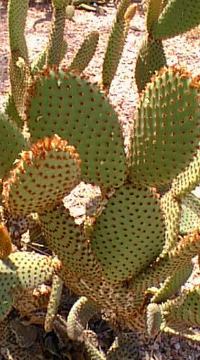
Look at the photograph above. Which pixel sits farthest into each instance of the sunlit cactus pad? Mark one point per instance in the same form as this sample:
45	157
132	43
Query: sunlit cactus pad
166	128
11	144
69	106
183	312
42	176
190	214
22	270
129	234
85	53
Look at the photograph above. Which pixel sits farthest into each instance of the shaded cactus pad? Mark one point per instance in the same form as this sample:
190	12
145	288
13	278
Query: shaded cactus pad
42	176
151	57
177	18
166	128
129	234
67	240
11	144
64	104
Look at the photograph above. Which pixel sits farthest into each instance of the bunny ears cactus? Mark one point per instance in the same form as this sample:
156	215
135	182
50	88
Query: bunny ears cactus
137	250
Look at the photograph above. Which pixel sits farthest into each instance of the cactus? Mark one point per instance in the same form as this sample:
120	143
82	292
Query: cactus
80	314
28	187
125	13
85	53
53	303
23	270
55	46
71	116
162	23
131	257
169	24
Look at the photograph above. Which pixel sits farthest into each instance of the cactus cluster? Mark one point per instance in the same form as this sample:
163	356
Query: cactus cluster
131	257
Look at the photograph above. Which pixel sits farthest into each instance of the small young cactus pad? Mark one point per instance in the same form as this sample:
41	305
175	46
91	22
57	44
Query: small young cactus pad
41	178
190	214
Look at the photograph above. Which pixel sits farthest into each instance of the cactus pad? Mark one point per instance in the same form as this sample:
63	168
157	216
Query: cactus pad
116	42
69	106
42	176
11	144
172	284
12	113
151	57
85	53
153	12
184	311
154	319
166	133
190	214
125	346
177	18
54	52
129	234
188	179
68	241
22	270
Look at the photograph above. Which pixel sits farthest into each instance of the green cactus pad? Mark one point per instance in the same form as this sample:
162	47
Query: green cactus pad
42	176
153	12
67	105
85	53
166	135
151	57
190	214
177	18
22	270
167	266
80	314
188	179
68	241
154	319
92	352
183	311
173	284
40	61
125	346
172	214
11	144
19	63
19	79
12	113
54	52
115	45
129	234
17	13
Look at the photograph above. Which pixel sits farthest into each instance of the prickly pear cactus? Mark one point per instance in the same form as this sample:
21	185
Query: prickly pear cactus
132	256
